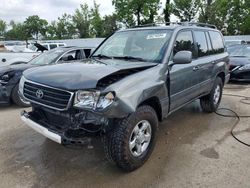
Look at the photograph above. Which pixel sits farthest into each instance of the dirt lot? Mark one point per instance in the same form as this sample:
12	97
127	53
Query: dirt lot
193	150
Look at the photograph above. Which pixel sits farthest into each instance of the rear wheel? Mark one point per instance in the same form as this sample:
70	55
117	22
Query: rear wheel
17	99
211	102
132	140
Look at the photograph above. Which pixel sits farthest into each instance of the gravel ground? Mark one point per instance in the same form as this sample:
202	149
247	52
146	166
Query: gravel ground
193	150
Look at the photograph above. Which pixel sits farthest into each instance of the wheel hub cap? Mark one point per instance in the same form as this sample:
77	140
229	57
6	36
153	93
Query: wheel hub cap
140	138
217	94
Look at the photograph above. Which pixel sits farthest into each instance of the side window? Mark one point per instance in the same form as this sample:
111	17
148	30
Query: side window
52	46
184	41
70	56
217	42
201	43
61	45
46	46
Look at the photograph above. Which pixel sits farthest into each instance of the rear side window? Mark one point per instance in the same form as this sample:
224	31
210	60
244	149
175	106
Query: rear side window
184	41
52	46
217	42
201	43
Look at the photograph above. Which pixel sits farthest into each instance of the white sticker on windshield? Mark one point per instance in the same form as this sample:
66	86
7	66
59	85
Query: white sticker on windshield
156	36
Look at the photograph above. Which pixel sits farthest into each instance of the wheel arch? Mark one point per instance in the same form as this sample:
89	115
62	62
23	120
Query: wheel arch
222	75
155	103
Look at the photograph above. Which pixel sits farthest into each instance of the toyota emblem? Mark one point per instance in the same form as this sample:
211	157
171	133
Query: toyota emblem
39	94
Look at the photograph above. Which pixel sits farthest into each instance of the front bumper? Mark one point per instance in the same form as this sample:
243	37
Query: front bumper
64	136
40	129
243	75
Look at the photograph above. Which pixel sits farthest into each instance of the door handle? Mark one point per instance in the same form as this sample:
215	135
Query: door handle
196	68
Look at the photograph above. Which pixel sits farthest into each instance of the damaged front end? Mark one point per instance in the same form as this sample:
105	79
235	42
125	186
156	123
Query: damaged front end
69	127
73	114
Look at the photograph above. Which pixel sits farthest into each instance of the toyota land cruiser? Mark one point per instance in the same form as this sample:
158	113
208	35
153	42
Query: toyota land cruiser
133	80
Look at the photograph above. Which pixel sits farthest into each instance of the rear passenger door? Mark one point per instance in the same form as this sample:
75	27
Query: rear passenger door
183	78
203	60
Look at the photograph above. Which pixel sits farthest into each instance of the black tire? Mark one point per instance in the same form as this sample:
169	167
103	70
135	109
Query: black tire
208	102
16	98
116	142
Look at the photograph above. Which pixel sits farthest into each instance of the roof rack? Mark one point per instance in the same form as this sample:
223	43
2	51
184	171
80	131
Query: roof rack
198	24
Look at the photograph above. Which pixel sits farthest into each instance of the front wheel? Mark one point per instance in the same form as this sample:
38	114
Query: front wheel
211	102
132	140
17	99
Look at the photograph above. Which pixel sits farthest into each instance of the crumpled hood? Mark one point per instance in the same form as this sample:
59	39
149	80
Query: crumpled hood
14	68
81	75
239	61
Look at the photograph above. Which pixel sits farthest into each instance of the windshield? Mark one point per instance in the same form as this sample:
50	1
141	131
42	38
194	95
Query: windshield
239	50
146	45
47	57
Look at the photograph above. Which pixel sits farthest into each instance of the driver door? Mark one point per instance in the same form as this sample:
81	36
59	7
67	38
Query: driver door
183	77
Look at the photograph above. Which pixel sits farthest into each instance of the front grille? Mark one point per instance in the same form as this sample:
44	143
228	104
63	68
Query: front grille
50	97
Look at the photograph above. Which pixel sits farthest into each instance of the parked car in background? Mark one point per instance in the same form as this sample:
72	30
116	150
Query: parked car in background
10	75
47	45
9	58
229	43
239	62
12	45
134	79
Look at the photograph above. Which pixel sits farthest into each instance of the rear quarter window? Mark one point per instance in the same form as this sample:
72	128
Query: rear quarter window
217	42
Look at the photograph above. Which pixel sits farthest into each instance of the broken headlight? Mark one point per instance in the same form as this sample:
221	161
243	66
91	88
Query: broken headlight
5	77
93	100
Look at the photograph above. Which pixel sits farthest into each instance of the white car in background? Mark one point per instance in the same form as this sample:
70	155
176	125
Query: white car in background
20	54
47	45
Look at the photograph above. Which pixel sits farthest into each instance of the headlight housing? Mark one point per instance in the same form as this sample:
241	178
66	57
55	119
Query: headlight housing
245	67
93	100
5	78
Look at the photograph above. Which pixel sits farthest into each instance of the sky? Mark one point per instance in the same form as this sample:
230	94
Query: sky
19	10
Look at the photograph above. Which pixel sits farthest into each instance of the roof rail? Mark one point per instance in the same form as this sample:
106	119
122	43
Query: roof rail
198	24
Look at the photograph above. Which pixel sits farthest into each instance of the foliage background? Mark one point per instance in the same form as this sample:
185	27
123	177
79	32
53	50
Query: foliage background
232	17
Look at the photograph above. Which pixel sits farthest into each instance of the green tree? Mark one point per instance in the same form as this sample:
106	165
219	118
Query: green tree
96	21
185	10
237	14
245	29
81	21
214	12
167	11
36	26
143	10
3	27
109	25
51	30
64	27
230	16
18	31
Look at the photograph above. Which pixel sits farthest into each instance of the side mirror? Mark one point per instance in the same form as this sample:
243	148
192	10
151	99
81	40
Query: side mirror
183	57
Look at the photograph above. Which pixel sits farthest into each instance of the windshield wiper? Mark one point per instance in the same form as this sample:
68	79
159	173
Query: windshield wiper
102	56
129	58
